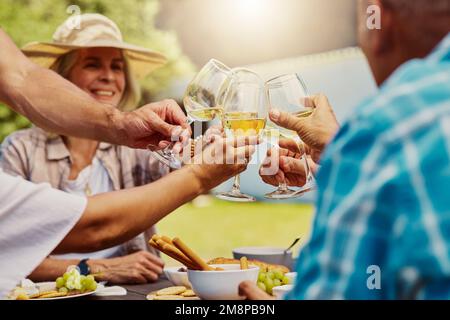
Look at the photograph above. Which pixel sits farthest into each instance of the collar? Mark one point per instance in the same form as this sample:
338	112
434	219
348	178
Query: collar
57	150
442	51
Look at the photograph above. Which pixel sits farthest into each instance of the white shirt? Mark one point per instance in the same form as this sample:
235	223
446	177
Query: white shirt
31	225
99	181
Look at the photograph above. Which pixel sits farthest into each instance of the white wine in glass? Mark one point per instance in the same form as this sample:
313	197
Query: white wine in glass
244	114
288	93
201	101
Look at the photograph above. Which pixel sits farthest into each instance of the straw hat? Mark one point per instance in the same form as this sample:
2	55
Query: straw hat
95	30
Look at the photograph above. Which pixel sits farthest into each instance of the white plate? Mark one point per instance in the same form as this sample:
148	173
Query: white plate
99	288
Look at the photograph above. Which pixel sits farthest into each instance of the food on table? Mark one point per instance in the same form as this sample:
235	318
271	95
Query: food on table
188	293
260	264
244	263
72	282
269	279
178	250
173	293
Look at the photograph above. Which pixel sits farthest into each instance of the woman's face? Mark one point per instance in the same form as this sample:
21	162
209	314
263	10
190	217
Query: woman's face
101	73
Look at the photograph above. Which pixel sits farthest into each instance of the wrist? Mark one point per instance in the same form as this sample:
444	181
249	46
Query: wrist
116	128
97	267
197	178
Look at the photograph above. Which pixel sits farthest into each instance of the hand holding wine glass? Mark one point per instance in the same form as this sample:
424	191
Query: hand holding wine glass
315	131
202	101
244	115
288	99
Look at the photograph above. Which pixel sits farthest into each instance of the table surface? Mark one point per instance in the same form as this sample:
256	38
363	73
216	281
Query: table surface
136	291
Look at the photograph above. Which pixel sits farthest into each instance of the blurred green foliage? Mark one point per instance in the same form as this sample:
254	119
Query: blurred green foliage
36	20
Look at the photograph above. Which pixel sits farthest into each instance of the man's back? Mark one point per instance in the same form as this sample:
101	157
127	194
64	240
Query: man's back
382	229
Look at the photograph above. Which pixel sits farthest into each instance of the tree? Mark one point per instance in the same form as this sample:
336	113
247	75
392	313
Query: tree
36	20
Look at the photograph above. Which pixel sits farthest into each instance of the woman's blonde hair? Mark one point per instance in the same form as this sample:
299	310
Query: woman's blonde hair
132	93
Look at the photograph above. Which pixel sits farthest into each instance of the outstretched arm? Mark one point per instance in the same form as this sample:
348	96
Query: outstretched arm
57	105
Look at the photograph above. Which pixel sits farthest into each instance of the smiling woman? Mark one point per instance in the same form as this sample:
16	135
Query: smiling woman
103	73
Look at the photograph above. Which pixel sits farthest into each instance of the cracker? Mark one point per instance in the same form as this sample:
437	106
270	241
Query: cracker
188	293
171	291
168	297
151	296
53	295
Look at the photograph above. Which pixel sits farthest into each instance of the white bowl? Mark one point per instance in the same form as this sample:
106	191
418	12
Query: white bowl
280	291
292	277
272	255
178	278
221	285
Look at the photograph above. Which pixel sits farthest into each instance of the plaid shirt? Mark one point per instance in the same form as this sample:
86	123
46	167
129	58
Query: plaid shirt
41	157
382	226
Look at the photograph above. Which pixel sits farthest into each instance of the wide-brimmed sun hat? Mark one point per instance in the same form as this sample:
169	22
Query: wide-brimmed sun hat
94	30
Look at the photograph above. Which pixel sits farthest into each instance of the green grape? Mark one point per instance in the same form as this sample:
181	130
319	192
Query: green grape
270	275
92	286
63	290
90	277
60	282
269	285
285	280
262	286
276	282
278	274
261	276
66	276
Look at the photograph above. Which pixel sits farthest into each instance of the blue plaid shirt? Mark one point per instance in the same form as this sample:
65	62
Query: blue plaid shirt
382	226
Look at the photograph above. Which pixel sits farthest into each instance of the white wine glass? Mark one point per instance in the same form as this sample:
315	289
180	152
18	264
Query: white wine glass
244	114
288	93
201	101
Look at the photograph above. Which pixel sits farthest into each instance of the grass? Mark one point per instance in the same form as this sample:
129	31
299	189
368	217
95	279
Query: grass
213	227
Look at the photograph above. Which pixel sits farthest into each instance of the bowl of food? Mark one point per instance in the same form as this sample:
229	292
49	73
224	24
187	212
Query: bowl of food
272	255
178	276
223	284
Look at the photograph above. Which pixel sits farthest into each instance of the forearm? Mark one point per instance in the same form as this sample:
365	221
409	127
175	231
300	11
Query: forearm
50	269
52	102
113	218
57	105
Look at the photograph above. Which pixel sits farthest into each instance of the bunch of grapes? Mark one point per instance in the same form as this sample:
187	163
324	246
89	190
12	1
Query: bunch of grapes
267	280
72	280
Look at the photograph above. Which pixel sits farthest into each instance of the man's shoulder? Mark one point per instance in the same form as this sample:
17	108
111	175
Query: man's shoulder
416	89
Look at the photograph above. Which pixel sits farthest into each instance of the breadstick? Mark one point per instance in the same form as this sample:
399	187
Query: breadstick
167	239
244	263
191	255
170	251
168	248
156	237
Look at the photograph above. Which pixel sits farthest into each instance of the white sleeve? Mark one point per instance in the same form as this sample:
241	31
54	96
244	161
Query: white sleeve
34	219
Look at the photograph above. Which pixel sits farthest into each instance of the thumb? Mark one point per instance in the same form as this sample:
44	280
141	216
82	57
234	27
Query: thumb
160	126
287	120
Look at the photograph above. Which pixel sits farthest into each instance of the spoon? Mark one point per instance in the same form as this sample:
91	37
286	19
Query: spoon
293	244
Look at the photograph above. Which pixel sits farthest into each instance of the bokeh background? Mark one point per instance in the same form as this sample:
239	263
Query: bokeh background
315	38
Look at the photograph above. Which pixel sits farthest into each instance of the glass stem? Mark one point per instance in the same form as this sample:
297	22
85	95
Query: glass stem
167	151
237	183
282	186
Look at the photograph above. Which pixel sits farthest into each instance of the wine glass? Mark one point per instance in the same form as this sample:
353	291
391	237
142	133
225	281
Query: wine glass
201	101
288	93
244	114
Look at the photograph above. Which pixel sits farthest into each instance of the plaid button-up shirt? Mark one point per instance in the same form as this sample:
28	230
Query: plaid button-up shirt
40	157
382	225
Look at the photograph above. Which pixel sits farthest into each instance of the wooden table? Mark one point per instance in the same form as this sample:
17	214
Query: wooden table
136	291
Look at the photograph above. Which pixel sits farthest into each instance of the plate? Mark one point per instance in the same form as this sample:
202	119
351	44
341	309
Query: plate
39	284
